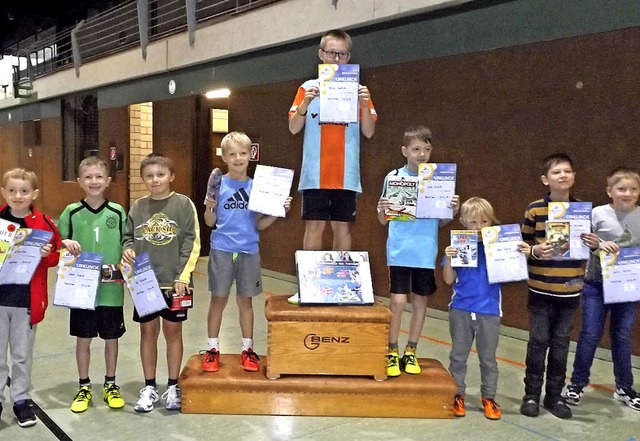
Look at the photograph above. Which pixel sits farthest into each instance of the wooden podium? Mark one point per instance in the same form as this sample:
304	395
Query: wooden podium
326	340
326	356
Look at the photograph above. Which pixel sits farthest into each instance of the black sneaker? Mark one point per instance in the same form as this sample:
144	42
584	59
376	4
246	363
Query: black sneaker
573	395
24	414
557	407
530	408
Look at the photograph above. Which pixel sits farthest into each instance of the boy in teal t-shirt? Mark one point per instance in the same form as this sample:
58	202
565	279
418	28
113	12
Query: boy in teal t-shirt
96	225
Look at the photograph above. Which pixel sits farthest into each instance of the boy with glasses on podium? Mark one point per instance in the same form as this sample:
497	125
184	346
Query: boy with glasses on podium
330	174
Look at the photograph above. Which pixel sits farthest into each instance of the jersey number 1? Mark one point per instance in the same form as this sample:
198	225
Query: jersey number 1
97	231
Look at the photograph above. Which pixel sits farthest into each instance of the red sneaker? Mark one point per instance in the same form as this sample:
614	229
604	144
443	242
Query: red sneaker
211	360
458	406
491	409
249	361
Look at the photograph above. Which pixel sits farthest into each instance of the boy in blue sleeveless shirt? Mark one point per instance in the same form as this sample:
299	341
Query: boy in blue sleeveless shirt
234	251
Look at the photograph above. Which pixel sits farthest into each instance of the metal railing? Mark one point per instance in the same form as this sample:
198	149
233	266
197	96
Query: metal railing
131	24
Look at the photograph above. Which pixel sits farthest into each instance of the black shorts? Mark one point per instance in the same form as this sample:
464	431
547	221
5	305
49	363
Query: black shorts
171	316
106	322
405	280
329	205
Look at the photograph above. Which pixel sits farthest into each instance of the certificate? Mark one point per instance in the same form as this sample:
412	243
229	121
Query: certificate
23	257
578	214
437	187
78	279
504	262
466	242
621	275
143	287
271	187
339	84
7	233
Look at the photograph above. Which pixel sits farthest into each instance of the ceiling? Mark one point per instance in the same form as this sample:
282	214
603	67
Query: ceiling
20	19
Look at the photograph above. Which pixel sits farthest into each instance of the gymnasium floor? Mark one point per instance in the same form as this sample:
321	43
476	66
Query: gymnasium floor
55	381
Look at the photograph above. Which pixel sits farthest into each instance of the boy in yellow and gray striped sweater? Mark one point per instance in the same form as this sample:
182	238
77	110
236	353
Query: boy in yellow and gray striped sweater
554	295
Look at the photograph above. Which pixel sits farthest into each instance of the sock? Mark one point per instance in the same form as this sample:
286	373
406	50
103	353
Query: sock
150	382
411	347
214	343
109	380
85	382
247	343
172	382
393	347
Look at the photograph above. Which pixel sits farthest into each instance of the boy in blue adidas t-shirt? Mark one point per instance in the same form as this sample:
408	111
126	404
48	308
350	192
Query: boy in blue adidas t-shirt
412	249
234	250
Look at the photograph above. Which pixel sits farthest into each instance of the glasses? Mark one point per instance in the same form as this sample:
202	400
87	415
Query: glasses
334	54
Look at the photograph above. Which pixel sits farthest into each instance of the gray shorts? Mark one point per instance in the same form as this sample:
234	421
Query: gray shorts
226	267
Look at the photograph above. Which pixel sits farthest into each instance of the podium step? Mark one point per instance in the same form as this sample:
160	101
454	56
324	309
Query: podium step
232	390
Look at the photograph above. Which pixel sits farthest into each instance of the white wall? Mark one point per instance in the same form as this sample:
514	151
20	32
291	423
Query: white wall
281	22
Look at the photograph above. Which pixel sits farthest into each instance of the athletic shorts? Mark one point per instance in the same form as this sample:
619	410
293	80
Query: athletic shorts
225	268
168	315
329	205
106	322
406	280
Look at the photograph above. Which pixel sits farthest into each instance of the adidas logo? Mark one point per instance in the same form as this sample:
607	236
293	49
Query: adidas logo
239	201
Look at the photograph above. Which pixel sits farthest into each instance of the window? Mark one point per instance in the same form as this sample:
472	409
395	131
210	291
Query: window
79	132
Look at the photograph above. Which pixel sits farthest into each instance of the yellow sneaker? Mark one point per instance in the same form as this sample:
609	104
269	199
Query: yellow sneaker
111	396
81	400
393	364
410	364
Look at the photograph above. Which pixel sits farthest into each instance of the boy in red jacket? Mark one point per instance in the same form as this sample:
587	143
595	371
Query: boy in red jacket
23	306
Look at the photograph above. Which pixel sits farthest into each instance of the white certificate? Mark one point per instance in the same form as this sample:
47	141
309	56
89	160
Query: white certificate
142	284
621	275
579	216
436	188
8	231
78	279
271	187
23	257
339	84
504	262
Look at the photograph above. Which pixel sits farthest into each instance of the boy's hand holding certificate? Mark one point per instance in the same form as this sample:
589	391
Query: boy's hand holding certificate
505	261
23	257
270	189
339	84
578	215
621	275
142	284
436	189
78	279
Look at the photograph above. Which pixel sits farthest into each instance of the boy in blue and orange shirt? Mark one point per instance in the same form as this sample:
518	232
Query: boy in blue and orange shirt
330	175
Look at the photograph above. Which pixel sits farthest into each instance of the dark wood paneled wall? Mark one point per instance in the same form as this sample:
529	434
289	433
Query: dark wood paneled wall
496	114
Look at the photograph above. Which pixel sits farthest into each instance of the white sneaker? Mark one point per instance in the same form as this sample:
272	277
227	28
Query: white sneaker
628	396
294	299
148	396
172	398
